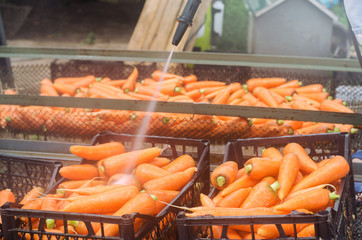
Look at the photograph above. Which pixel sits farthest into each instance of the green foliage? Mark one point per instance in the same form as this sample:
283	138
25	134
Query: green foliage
90	39
341	14
235	28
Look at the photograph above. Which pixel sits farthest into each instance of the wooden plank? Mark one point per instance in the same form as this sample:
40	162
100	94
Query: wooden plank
142	28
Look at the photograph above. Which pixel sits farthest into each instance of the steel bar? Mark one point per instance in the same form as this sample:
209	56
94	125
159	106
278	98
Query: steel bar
205	58
187	108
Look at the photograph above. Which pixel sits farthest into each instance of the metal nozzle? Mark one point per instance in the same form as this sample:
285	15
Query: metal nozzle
185	20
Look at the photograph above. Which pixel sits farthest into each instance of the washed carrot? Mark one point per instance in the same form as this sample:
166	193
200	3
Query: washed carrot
48	90
345	128
145	172
236	95
244	181
291	84
240	173
6	195
65	88
335	169
81	228
222	96
79	172
203	84
73	184
272	153
293	124
33	204
308	231
304	191
163	197
177	81
206	201
311	88
116	83
314	129
217	233
277	97
124	179
235	199
308	100
307	165
262	195
142	203
104	202
127	161
264	95
157	74
71	80
34	193
250	236
99	151
313	201
288	171
258	168
92	190
147	81
319	97
264	82
129	85
194	94
181	163
189	79
303	105
171	89
147	91
329	105
174	181
84	82
224	174
250	98
212	95
283	91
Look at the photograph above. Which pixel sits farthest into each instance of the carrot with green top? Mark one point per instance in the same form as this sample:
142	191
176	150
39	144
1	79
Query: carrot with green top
34	193
315	128
262	195
311	88
244	181
171	89
79	172
258	168
345	128
264	82
235	199
146	172
307	165
293	124
335	169
84	82
126	162
224	174
163	197
308	100
288	171
99	151
331	106
318	97
272	153
181	163
236	95
130	84
303	105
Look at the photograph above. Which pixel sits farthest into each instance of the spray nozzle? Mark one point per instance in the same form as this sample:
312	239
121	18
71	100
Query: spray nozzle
185	20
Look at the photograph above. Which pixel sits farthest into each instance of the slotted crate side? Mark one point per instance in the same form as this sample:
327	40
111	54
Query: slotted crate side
160	227
332	223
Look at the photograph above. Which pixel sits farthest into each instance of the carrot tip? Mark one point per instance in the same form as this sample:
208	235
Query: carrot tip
50	223
220	180
248	168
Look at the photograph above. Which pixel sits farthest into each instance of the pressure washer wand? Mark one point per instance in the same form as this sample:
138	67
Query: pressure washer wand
185	20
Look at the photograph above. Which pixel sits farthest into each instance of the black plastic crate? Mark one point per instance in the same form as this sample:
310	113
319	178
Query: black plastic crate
161	226
332	223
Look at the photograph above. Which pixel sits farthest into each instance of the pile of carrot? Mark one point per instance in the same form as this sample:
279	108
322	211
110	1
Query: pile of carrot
276	183
119	182
259	92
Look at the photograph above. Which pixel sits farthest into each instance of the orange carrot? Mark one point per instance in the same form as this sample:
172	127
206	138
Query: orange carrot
71	80
272	153
142	203
129	85
291	84
258	168
264	82
206	201
160	161
265	96
189	79
262	195
146	172
126	162
345	128
116	83
174	181
163	197
104	202
288	171
48	90
335	169
86	190
194	94
250	97
303	191
314	129
97	152
65	88
124	179
235	199
303	105
84	82
329	105
293	124
277	97
319	97
242	182
157	74
308	231
171	89
283	91
34	193
307	165
222	96
6	195
312	88
181	163
203	84
79	172
308	100
224	174
236	95
230	234
147	81
73	184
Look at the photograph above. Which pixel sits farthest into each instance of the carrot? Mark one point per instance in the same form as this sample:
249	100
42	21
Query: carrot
34	193
307	165
235	199
222	96
147	81
336	168
73	184
277	97
33	204
157	74
174	181
194	94
84	190
146	172
116	83
171	89
314	129
97	152
81	228
125	162
250	236
181	163
272	153
308	100
6	195
203	84
288	171
79	172
206	201
293	124
48	90
284	92
129	85
224	174
236	95
312	88
319	97
217	232
160	161
329	105
303	105
163	197
240	173
304	191
142	203
251	98
258	168
345	128
124	179
242	182
71	80
176	81
313	201
262	195
308	231
189	79
264	82
147	91
265	96
291	84
63	88
104	202
84	82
